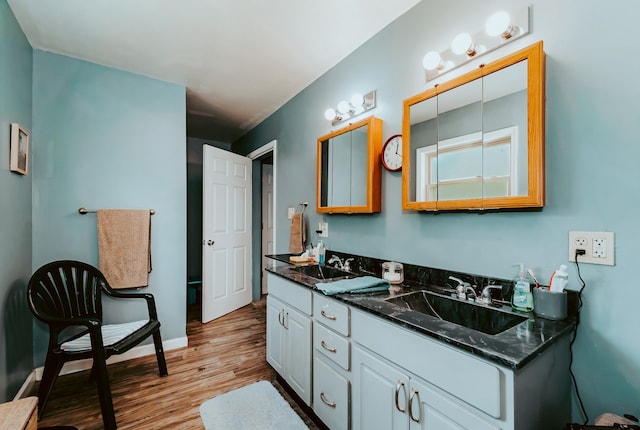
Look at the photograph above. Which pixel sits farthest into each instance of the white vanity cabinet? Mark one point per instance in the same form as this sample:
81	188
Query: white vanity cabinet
289	308
404	380
388	397
361	371
331	362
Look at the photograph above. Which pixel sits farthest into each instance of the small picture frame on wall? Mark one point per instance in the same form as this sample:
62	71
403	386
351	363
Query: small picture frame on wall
19	149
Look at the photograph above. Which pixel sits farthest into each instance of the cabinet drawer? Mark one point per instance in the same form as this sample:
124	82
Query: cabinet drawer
293	294
332	345
330	395
466	377
331	313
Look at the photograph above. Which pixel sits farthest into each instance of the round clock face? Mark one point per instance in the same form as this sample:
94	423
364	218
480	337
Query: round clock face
392	153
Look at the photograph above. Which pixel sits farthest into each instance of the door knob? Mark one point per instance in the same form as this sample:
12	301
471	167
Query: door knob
210	242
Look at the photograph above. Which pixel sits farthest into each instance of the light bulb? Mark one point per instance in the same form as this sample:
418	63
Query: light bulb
344	106
330	114
432	61
463	43
499	24
357	100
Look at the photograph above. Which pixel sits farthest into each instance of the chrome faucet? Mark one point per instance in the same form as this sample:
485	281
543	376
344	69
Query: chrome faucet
347	264
462	288
339	264
485	296
337	260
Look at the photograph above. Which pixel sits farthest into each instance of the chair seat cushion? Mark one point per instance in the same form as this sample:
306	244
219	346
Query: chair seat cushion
111	334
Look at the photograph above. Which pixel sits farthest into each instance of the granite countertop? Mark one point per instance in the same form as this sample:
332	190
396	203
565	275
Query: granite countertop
514	347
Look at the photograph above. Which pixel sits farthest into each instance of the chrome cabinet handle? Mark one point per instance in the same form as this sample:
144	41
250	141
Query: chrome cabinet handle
400	385
415	393
328	348
329	317
285	317
280	317
327	402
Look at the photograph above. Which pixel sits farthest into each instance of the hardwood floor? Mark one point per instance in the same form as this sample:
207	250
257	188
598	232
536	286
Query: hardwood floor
223	355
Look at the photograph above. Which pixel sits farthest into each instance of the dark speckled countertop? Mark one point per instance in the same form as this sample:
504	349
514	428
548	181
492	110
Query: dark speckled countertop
514	347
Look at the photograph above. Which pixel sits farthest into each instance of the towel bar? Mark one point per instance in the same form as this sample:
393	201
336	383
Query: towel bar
84	211
304	206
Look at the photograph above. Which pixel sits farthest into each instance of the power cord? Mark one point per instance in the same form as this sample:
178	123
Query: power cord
575	333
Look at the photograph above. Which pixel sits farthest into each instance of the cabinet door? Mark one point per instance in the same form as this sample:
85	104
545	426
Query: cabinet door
276	335
298	353
380	393
330	395
431	409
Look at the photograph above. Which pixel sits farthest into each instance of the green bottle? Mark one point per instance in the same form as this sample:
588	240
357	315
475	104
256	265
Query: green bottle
522	297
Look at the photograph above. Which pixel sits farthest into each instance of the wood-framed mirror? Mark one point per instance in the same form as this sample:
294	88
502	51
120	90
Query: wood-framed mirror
477	142
348	169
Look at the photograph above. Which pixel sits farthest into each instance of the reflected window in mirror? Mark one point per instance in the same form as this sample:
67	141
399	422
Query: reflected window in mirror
451	170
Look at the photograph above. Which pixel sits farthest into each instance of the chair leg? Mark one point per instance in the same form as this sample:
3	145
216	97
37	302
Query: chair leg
104	394
162	364
52	367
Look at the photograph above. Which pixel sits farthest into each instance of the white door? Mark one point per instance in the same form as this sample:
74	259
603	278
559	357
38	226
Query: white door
226	254
267	219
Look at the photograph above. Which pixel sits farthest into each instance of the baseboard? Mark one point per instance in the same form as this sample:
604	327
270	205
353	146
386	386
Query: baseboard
26	386
138	351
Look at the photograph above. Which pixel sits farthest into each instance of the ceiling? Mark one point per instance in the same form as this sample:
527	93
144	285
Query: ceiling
240	60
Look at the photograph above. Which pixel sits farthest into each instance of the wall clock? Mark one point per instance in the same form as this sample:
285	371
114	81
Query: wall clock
392	153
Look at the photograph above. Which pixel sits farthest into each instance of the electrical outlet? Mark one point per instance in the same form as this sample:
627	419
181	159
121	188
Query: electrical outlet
323	226
598	247
290	212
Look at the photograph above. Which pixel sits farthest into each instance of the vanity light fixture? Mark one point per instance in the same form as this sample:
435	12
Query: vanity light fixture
501	28
463	44
499	24
356	105
433	61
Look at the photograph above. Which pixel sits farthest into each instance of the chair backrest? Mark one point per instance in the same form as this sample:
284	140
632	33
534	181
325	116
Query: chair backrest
66	289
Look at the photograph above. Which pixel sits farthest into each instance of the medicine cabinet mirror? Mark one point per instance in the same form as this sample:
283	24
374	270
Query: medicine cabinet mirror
348	169
477	141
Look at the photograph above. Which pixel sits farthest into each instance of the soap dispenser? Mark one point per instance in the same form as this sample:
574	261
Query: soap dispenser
321	252
522	297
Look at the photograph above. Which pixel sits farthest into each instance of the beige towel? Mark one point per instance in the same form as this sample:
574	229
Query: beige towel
296	240
124	247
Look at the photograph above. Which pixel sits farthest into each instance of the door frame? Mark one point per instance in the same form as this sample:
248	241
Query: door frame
255	155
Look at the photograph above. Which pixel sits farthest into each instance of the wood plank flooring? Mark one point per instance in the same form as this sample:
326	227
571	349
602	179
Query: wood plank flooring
223	355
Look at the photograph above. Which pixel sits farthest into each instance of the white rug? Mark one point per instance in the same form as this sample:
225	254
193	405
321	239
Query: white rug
256	406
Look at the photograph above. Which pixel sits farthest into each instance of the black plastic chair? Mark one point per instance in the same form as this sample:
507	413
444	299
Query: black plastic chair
67	295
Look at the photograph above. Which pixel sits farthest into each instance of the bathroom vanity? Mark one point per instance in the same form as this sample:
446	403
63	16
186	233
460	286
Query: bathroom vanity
363	361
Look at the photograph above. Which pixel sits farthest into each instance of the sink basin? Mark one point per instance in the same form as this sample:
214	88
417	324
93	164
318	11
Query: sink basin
476	317
323	272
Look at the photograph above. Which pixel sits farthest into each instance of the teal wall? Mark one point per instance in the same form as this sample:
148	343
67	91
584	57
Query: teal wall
593	182
109	139
16	360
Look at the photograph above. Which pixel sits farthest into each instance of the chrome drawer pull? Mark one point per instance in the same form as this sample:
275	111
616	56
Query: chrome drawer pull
400	385
327	402
328	348
415	393
329	317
